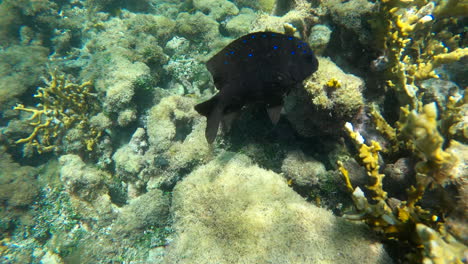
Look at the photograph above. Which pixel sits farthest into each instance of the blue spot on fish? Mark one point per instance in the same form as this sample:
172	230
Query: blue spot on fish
293	52
275	47
250	54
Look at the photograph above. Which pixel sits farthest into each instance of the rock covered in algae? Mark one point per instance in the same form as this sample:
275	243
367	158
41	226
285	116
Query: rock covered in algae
241	24
232	211
216	9
330	97
145	211
302	169
127	55
266	6
352	15
319	38
176	139
294	17
80	180
197	27
19	186
27	61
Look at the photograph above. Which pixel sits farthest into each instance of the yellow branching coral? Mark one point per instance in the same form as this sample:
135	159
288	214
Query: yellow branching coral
421	129
416	40
452	8
62	105
438	248
370	158
413	49
404	221
378	215
383	127
454	120
425	70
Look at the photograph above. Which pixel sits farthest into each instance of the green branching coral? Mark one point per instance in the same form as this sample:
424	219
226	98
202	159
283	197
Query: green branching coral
63	105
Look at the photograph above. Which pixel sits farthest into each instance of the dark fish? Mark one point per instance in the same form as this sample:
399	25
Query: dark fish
258	67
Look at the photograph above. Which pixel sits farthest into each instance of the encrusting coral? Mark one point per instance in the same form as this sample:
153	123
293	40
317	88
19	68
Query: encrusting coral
63	105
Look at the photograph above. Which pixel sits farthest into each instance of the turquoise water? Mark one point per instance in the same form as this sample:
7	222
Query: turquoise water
104	158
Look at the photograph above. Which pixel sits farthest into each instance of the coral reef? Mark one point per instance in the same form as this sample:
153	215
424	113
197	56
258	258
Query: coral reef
175	132
128	162
225	211
171	120
91	198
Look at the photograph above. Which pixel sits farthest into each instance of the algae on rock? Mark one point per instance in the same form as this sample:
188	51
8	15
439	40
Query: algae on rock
232	211
330	98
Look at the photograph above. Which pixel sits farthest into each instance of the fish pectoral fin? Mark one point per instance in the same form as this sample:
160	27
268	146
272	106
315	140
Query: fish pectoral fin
228	119
274	113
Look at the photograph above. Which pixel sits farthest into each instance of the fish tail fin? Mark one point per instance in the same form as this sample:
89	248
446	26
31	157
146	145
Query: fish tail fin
213	111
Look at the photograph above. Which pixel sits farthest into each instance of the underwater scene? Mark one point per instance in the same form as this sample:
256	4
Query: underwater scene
234	131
